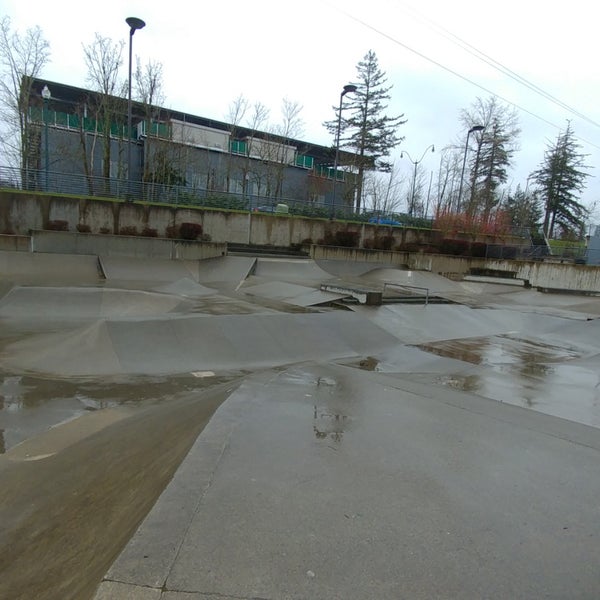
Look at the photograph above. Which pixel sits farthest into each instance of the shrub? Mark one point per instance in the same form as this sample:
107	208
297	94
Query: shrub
149	232
347	239
190	231
104	230
83	228
385	243
58	225
172	232
369	244
128	230
455	247
478	249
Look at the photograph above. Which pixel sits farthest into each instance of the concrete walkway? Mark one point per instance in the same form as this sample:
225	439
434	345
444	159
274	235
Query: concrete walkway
329	482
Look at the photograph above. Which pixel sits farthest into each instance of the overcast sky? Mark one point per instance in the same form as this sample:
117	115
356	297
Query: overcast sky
306	51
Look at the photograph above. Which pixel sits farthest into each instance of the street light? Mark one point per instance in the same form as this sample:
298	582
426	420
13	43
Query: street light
411	206
134	24
462	175
46	95
348	89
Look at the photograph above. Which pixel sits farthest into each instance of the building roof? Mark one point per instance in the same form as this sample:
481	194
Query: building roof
66	97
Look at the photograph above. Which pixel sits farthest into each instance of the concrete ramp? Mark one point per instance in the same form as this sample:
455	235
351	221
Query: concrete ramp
187	344
79	302
418	324
298	295
304	270
342	268
224	271
140	269
52	268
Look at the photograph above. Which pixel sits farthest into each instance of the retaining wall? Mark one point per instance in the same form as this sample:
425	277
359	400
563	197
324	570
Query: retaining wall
22	212
543	275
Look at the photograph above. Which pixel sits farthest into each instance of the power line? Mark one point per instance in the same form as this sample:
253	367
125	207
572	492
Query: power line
497	65
455	73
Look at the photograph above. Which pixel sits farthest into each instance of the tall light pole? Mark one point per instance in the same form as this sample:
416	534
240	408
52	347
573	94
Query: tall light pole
462	174
134	24
411	206
348	89
46	95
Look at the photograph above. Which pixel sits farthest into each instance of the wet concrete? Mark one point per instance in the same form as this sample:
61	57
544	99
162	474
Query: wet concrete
316	480
66	511
328	482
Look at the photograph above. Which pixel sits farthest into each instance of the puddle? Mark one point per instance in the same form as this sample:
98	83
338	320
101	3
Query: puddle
32	405
526	373
501	350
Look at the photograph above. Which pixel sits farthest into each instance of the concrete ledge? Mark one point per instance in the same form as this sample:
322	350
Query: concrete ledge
363	295
67	242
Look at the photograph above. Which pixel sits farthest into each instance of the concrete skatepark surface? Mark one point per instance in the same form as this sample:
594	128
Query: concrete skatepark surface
307	451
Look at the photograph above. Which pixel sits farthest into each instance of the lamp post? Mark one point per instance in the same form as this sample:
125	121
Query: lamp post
46	95
134	24
462	174
411	206
348	89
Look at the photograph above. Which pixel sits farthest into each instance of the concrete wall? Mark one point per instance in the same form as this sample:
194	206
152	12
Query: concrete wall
21	212
63	242
16	243
544	275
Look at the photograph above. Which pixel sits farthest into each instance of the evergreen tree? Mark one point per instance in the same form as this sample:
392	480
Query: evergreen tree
523	208
367	130
561	177
496	146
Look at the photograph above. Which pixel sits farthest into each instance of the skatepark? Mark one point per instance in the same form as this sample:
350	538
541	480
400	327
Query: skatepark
227	428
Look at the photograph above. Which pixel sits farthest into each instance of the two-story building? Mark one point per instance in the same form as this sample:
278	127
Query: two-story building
171	155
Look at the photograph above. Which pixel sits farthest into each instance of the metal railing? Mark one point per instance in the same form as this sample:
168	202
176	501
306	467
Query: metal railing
38	180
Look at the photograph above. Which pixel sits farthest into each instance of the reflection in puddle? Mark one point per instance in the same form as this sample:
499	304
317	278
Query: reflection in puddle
31	405
501	350
527	373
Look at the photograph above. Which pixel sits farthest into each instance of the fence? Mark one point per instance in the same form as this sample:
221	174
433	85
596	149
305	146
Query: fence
39	180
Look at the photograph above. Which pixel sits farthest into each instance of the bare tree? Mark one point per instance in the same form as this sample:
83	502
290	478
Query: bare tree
103	58
235	115
383	191
289	128
259	115
149	91
22	59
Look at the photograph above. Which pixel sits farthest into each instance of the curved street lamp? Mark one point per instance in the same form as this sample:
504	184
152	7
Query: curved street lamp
134	24
462	174
411	206
348	89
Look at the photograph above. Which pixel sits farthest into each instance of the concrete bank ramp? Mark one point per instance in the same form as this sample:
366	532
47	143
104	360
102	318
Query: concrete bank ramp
140	269
192	343
52	268
81	302
224	271
290	293
419	324
303	270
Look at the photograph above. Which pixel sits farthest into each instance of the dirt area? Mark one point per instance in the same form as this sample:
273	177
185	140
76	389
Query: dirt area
70	502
